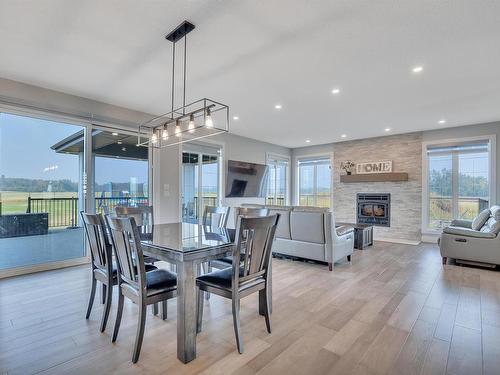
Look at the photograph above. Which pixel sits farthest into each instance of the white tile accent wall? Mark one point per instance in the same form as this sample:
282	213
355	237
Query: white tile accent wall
405	151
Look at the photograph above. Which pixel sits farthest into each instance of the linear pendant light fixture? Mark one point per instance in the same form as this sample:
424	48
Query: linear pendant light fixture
200	119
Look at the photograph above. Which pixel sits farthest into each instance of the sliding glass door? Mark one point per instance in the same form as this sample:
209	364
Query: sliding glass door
200	181
278	177
41	192
458	182
120	171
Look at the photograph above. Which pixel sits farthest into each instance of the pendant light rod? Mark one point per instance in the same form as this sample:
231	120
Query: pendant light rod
173	78
185	61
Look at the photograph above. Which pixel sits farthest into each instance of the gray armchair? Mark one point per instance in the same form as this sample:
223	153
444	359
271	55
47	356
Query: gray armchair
475	241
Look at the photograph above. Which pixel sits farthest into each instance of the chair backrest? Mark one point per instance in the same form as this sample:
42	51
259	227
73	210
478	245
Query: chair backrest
254	235
130	259
143	215
215	217
250	212
99	243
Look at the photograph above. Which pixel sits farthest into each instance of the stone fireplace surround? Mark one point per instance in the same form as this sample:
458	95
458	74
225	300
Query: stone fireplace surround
405	151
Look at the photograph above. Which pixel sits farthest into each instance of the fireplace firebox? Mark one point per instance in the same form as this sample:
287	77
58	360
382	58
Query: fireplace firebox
374	209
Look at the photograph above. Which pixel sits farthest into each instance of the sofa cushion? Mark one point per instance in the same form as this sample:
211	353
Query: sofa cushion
491	226
307	226
283	228
481	219
460	231
495	212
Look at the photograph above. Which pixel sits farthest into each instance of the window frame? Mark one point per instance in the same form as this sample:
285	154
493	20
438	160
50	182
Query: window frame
491	139
277	157
298	159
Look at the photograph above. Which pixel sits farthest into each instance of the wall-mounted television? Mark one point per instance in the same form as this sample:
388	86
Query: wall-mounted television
246	179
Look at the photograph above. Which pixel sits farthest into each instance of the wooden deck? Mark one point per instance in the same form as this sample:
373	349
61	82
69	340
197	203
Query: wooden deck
395	310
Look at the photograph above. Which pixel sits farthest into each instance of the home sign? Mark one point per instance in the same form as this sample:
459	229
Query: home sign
374	167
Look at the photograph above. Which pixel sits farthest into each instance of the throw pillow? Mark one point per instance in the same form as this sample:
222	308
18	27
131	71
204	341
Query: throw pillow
481	219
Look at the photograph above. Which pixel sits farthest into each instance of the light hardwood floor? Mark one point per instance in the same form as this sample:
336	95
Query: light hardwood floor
395	310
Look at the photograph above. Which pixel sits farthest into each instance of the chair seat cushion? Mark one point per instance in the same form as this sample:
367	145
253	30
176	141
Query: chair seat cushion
159	281
148	267
459	231
220	278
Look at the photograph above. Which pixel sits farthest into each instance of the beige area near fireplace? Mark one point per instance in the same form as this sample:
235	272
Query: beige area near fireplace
405	152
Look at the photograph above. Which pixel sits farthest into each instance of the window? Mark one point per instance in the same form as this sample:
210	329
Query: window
458	182
200	180
277	184
315	182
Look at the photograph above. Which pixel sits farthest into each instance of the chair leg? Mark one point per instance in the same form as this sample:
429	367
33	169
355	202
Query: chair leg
119	313
267	311
164	309
107	308
236	322
209	269
103	293
154	308
445	260
92	296
330	266
140	332
199	310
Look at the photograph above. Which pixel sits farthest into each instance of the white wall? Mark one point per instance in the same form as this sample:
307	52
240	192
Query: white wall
70	104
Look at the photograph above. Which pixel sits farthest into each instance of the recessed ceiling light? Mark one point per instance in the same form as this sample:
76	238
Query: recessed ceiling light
443	121
115	134
335	91
308	141
119	142
278	106
387	129
344	135
417	69
236	118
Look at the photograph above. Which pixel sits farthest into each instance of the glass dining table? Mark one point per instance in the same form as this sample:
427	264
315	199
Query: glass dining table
187	246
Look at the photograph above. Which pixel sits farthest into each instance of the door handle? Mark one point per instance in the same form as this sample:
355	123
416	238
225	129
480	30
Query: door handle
460	240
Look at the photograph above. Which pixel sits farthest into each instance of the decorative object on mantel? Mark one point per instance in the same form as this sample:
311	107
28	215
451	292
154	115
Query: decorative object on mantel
374	167
200	119
347	166
375	177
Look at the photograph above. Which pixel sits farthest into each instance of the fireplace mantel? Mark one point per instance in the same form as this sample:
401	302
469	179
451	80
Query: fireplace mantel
374	177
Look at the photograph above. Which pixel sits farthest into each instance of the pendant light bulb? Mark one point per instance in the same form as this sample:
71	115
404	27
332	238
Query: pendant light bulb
191	124
177	128
208	119
164	134
154	138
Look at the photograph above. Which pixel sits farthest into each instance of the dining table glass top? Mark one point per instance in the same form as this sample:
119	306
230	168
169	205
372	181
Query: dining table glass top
185	237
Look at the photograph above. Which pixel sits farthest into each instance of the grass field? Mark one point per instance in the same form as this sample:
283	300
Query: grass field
16	202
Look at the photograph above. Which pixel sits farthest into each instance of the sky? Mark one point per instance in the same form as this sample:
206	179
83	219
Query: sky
25	153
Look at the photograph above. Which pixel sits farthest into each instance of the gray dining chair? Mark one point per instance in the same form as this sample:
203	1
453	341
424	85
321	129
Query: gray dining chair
255	235
141	287
101	263
239	212
215	216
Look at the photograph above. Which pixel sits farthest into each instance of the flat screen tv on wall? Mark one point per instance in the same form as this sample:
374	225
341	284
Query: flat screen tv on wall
246	179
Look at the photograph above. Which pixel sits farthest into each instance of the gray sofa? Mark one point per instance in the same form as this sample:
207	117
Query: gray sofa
310	233
474	241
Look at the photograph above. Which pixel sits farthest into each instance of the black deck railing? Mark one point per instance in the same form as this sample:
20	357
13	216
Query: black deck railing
63	212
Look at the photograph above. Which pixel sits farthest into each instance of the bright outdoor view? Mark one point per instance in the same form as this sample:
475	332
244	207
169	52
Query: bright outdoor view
315	183
458	185
41	169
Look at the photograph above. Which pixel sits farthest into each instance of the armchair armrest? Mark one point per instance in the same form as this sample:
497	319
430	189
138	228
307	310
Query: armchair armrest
343	230
460	231
461	223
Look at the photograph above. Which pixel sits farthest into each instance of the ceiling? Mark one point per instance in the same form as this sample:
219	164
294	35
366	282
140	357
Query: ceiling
253	55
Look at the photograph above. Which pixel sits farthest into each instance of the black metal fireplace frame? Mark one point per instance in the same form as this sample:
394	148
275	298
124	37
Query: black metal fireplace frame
374	198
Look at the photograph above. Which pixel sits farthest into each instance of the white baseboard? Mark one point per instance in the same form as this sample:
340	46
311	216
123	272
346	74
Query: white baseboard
397	240
42	267
430	238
